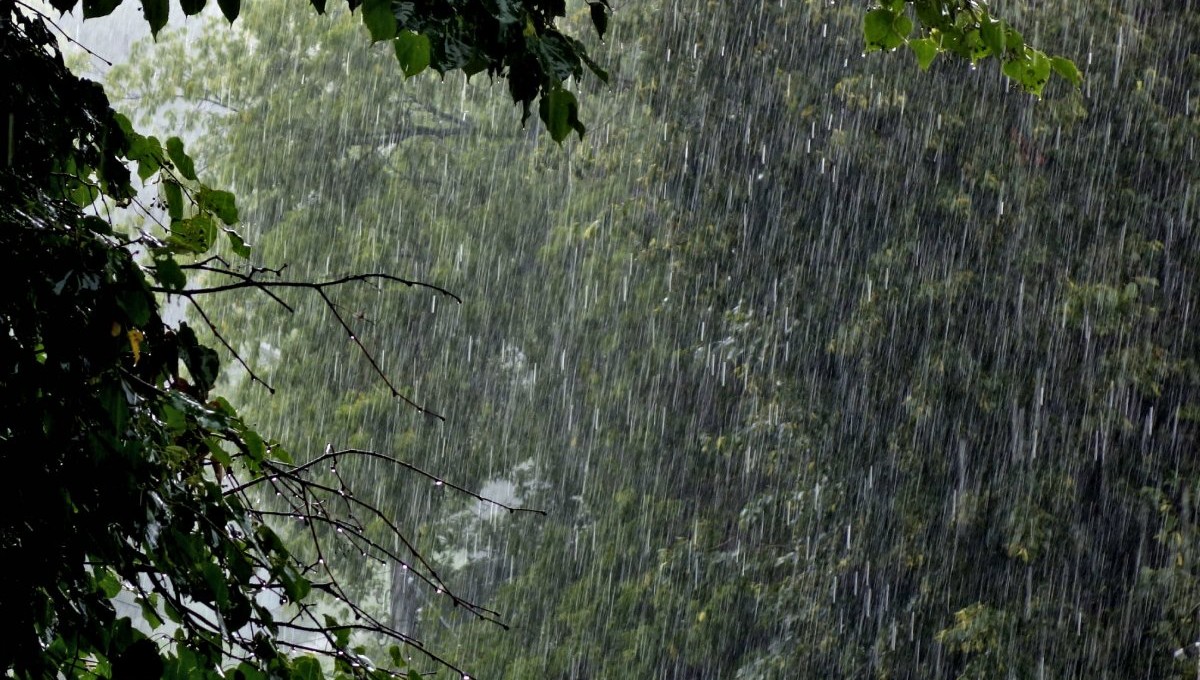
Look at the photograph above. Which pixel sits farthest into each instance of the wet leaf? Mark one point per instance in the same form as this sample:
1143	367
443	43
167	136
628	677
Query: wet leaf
155	12
183	162
377	16
925	49
559	110
413	52
221	203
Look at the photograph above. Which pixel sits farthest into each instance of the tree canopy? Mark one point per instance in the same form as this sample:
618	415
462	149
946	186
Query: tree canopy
133	475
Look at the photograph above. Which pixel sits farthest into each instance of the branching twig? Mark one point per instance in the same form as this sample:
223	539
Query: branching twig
64	34
212	327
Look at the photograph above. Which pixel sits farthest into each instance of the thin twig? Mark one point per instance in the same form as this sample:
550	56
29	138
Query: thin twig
253	376
71	40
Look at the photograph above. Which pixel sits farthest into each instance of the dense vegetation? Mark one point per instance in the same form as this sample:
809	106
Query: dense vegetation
819	365
822	367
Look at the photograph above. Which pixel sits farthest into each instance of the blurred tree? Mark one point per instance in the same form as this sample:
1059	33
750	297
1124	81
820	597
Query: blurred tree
142	480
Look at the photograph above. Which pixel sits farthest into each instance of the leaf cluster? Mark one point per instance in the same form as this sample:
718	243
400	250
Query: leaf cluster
967	29
136	481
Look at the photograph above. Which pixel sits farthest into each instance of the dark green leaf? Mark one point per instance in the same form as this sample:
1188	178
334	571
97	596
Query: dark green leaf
255	445
992	33
230	8
559	111
191	7
115	404
599	17
413	52
183	162
107	582
156	13
174	195
237	244
377	16
98	8
193	235
138	660
306	668
136	303
925	50
214	578
176	421
202	362
1067	69
218	453
168	274
877	28
220	203
150	612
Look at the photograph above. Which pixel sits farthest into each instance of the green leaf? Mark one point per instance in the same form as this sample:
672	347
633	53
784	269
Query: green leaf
107	583
98	8
377	16
220	203
1067	69
192	7
255	445
237	243
877	28
183	162
135	302
218	454
595	68
156	13
214	578
116	406
168	273
1031	70
150	611
176	421
559	111
281	454
174	195
307	668
194	235
902	27
413	52
230	8
925	50
992	33
202	362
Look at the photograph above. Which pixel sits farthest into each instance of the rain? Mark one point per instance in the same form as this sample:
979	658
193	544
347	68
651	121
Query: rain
802	362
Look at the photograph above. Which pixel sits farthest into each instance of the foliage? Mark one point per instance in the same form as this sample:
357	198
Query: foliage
138	484
822	368
965	28
144	485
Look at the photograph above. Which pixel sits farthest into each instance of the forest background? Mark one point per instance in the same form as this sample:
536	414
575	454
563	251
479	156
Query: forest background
820	366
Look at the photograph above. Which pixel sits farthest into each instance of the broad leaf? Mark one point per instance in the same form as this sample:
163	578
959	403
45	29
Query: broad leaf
377	16
230	8
925	49
183	162
98	8
559	110
156	13
220	203
412	51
